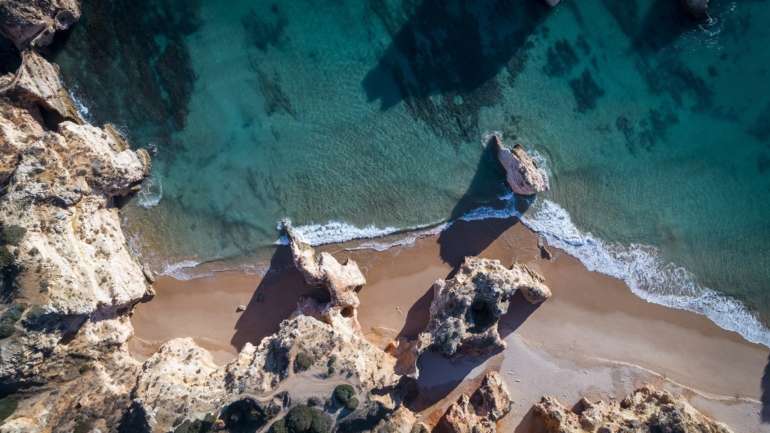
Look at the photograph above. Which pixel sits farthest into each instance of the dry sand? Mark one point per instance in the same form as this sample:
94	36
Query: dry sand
594	337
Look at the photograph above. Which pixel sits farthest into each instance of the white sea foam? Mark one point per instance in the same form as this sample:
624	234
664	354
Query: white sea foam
643	269
337	232
80	106
182	270
151	193
406	240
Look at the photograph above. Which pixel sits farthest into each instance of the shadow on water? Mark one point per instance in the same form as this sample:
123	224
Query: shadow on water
765	385
468	238
449	47
439	376
274	300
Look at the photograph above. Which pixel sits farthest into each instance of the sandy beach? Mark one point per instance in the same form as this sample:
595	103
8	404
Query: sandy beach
593	338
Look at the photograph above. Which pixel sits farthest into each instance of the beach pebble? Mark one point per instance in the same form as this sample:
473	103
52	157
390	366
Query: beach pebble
240	308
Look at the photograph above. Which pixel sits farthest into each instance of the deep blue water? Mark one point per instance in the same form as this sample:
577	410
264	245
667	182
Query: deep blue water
370	114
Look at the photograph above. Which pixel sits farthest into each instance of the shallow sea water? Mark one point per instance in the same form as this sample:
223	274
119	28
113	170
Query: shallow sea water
370	114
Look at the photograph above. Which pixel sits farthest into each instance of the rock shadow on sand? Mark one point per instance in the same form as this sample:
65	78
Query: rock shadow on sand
274	300
439	376
465	238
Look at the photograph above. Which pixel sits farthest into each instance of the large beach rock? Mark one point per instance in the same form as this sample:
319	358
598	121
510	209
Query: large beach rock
522	173
341	280
646	409
479	412
465	310
34	22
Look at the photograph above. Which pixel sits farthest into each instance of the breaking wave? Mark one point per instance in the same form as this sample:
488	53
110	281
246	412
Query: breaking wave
641	267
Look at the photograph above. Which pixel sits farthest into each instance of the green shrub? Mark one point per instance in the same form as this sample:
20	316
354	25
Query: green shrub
196	426
245	415
303	419
279	427
7	407
12	235
345	396
302	362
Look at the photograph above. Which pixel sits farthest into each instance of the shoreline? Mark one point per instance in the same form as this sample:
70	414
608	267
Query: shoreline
593	325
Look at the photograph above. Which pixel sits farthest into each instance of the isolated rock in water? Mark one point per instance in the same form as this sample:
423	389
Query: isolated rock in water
465	310
492	400
646	409
698	9
522	173
342	280
552	3
34	22
478	413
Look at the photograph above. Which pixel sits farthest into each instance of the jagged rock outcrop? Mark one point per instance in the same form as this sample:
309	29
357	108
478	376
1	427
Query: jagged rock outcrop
38	83
65	260
492	399
646	409
522	173
479	412
34	22
341	280
465	310
402	420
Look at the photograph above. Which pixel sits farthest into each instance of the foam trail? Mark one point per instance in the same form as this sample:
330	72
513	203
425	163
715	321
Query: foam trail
335	232
181	270
80	106
643	269
151	193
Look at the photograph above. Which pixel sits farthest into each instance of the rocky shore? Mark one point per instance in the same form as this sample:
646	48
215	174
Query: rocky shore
70	284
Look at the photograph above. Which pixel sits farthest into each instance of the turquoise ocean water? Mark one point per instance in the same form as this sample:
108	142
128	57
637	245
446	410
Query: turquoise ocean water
356	118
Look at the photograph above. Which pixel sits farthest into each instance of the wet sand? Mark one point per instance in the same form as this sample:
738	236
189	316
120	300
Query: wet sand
594	337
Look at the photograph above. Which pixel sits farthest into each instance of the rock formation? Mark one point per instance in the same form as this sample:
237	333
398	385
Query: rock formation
479	412
66	266
342	281
34	22
465	310
68	285
181	383
522	173
646	409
